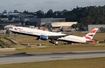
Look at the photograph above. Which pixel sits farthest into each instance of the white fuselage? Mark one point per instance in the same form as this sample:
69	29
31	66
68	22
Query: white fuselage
73	38
35	31
60	36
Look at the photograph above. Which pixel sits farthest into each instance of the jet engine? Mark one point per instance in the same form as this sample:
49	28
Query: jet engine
43	37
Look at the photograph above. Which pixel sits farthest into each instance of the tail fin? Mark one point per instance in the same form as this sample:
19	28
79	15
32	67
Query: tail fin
91	34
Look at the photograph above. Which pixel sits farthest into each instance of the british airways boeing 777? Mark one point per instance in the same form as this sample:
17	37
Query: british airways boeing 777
45	35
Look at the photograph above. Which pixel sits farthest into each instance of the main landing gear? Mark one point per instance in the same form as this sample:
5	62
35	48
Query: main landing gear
54	42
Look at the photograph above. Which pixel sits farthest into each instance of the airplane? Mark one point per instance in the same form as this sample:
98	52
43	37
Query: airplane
40	34
45	35
77	39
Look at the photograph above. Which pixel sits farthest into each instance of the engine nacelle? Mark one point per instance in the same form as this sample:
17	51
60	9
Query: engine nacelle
43	37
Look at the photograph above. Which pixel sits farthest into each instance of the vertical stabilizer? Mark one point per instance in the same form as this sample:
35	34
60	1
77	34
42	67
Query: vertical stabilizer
91	34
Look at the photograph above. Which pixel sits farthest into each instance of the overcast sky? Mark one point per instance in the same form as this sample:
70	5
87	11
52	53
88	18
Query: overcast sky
45	5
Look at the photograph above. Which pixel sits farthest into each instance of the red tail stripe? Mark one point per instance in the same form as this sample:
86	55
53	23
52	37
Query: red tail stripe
88	37
93	31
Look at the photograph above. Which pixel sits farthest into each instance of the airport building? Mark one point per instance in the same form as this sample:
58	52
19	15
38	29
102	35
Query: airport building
90	27
22	19
62	26
53	24
15	19
43	21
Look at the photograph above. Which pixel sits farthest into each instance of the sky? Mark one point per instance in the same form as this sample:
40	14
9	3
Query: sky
45	5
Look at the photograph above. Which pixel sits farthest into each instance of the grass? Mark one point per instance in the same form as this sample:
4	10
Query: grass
63	48
75	63
32	40
49	47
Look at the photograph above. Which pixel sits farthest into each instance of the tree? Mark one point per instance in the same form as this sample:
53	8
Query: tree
49	14
26	12
40	14
5	11
15	11
75	26
57	14
102	29
81	27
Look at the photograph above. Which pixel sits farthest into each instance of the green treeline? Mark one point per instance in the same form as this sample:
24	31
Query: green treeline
87	15
83	15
